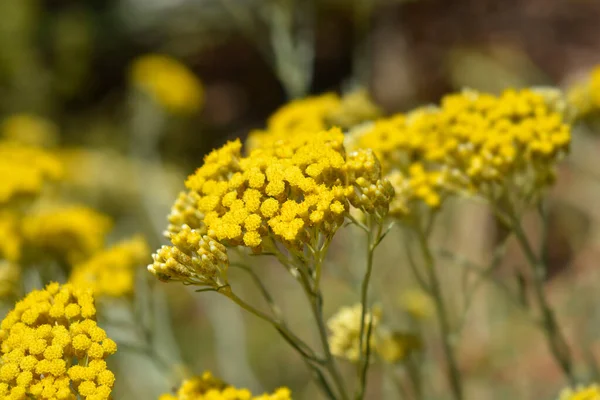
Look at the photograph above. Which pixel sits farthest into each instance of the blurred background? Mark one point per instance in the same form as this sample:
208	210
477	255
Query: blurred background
72	64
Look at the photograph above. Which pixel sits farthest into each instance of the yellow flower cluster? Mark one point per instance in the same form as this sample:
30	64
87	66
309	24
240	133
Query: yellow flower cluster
344	325
591	392
170	83
314	114
72	233
294	191
111	272
52	348
193	259
29	130
24	170
473	142
207	387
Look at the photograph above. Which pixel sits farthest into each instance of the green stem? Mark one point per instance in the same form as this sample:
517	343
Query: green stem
442	316
316	303
363	362
556	341
290	337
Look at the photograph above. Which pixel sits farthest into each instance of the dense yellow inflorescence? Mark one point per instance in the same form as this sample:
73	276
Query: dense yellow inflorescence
29	129
52	347
472	143
71	233
207	387
591	392
314	114
111	272
25	170
170	83
292	191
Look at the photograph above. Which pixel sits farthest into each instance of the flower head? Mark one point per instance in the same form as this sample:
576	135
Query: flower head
52	348
473	143
345	331
112	272
72	233
25	170
194	259
207	387
171	84
313	114
295	192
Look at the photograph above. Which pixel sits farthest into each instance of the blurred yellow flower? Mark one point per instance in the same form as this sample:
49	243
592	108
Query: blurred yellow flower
29	129
344	327
25	170
314	114
591	392
52	348
71	233
207	387
111	272
170	83
395	347
10	276
10	244
417	304
584	96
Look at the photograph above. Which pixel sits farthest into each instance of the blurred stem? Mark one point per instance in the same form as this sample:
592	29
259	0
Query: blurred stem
556	341
316	302
304	350
363	12
374	235
293	47
453	371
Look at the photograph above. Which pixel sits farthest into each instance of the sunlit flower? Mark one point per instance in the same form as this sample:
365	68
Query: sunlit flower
207	387
473	143
52	347
170	83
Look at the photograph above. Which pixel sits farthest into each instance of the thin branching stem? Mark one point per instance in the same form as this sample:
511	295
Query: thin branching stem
452	368
556	341
374	238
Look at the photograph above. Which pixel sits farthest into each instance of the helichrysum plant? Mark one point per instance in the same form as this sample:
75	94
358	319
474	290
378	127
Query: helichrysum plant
52	347
207	387
287	198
